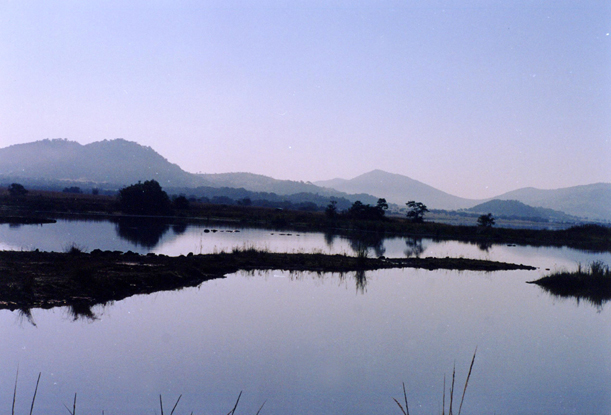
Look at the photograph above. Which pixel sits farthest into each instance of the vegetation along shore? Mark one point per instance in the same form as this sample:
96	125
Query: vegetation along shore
590	283
48	279
44	206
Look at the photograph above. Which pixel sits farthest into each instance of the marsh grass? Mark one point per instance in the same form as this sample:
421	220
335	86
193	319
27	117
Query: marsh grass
72	411
591	283
33	397
405	409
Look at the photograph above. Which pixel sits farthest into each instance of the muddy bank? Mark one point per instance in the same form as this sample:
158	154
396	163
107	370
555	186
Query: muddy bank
25	220
50	279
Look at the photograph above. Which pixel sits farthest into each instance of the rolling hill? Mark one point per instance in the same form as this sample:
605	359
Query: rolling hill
592	201
112	164
518	210
398	189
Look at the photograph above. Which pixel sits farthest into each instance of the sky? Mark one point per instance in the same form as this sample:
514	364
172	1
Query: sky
473	97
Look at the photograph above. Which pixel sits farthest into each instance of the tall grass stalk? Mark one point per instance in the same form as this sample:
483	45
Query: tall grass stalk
35	391
405	410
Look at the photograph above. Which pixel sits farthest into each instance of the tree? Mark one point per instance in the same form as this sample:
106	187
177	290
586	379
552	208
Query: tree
145	199
331	210
16	189
181	202
381	208
416	211
360	211
485	221
72	189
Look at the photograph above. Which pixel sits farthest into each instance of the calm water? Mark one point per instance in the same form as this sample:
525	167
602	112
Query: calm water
308	343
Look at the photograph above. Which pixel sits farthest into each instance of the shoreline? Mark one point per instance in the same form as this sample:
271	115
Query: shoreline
50	279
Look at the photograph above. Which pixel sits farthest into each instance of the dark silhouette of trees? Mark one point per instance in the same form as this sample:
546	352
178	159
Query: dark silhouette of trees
416	211
360	211
145	199
381	207
485	221
16	189
181	202
73	189
331	210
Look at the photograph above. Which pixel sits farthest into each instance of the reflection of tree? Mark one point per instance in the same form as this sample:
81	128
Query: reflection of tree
362	242
146	232
414	247
361	281
179	228
26	314
484	246
81	310
329	238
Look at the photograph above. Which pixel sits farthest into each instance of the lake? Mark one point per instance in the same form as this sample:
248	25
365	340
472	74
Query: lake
307	343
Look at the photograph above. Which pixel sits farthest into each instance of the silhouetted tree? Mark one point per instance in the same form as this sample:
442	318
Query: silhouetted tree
145	199
73	189
381	208
16	189
416	211
181	202
331	210
485	221
95	191
360	211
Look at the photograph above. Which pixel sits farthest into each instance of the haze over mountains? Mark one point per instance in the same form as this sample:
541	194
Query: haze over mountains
112	164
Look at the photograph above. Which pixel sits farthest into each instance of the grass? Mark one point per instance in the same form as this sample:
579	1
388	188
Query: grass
405	410
73	410
591	283
82	280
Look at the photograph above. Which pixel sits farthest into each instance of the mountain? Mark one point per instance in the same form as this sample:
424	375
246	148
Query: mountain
519	210
398	189
108	162
260	183
592	201
112	164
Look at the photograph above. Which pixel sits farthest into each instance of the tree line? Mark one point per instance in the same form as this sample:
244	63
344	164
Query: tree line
149	198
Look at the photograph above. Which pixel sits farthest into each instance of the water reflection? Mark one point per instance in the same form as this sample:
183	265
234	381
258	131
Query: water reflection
414	247
81	310
484	246
595	300
145	232
362	243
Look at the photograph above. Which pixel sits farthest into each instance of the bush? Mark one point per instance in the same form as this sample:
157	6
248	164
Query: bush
145	199
73	189
17	189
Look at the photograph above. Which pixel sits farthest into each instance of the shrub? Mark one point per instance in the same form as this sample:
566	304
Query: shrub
145	199
16	189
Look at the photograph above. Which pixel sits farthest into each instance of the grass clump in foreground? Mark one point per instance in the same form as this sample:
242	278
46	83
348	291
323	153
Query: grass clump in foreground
591	283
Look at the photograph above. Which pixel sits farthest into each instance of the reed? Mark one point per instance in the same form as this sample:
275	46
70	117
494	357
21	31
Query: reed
405	410
591	283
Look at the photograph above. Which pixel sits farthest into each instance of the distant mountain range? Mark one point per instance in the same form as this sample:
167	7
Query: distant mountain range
512	209
112	164
398	189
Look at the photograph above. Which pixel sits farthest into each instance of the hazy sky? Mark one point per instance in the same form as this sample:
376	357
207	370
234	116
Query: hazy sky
475	98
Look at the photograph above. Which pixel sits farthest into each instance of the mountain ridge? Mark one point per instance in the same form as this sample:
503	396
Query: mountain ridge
121	162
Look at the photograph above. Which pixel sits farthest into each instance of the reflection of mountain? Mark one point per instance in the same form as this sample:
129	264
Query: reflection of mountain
145	232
